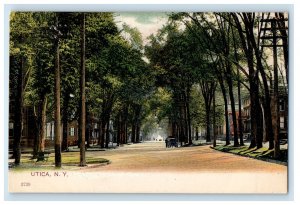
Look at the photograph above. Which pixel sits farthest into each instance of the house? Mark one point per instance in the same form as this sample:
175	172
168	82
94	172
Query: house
29	127
283	114
92	131
246	117
29	132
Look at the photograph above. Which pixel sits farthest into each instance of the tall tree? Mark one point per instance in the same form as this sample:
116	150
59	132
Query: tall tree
57	116
18	114
22	26
240	123
251	50
82	93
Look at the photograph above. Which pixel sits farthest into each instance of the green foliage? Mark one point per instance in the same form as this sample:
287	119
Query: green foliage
198	108
135	36
189	50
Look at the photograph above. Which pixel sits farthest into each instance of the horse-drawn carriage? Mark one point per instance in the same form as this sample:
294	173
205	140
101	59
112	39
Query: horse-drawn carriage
171	142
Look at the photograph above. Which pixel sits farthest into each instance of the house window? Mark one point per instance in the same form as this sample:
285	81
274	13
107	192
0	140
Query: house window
281	122
281	105
72	131
11	129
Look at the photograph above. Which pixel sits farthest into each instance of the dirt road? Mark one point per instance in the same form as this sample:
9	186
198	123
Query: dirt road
151	168
154	157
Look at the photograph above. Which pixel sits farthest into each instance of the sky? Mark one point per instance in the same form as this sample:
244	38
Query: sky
146	22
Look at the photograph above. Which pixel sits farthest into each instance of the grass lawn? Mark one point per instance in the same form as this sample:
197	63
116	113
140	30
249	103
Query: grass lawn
68	159
262	153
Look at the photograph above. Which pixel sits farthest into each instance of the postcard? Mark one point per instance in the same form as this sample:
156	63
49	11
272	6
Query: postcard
148	102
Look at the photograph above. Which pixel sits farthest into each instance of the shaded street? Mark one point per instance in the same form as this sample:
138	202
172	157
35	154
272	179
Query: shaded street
153	156
104	78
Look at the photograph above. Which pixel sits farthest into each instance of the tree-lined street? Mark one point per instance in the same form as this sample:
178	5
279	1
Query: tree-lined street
155	157
82	81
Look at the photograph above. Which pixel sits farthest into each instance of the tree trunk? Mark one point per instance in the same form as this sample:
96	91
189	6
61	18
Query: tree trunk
18	114
42	129
233	113
57	116
100	132
82	93
253	78
227	128
107	131
118	121
240	123
183	124
197	133
103	131
214	121
259	118
268	121
256	114
122	135
188	116
228	76
186	125
138	132
207	89
79	129
36	138
240	112
254	123
125	117
126	132
208	139
267	108
181	134
223	89
133	132
65	122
